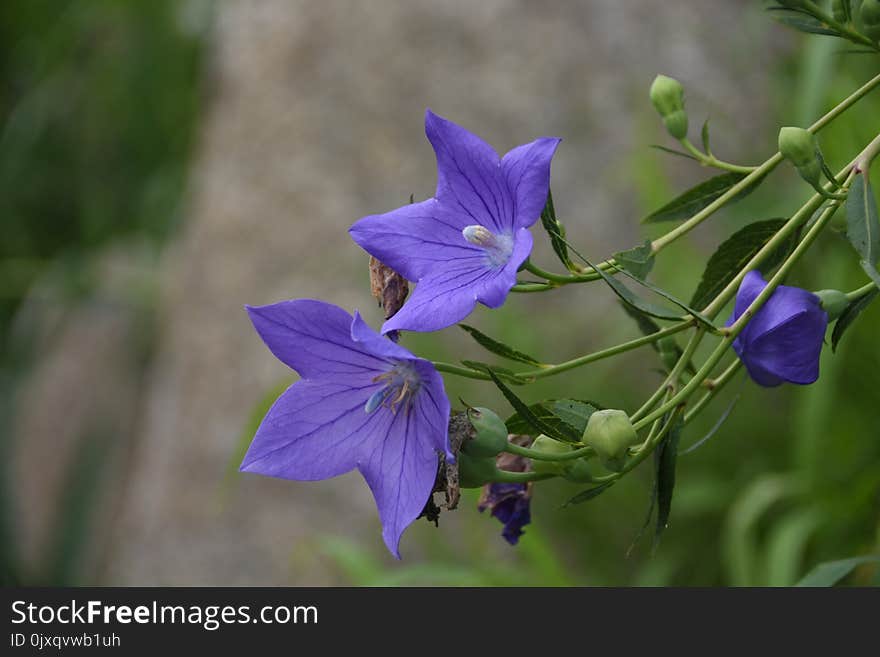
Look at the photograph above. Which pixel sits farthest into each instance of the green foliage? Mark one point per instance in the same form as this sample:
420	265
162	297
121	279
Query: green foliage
556	231
733	254
863	226
637	261
498	348
696	198
832	572
566	416
849	315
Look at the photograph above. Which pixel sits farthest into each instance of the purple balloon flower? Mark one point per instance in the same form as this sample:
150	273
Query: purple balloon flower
783	341
510	505
363	402
465	244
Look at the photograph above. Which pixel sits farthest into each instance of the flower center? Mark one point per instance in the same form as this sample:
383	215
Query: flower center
497	247
402	382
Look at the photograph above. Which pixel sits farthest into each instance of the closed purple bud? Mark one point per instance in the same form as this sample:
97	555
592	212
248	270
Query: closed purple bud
783	341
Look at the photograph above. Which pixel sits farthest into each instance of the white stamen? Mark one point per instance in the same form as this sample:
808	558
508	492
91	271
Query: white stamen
479	236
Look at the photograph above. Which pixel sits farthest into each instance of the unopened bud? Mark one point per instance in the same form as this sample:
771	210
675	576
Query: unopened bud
833	302
490	433
869	16
610	433
577	471
550	447
800	147
667	96
473	471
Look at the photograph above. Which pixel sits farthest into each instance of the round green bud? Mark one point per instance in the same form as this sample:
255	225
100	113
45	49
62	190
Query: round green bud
551	447
577	471
474	472
869	16
833	302
667	96
610	432
490	433
800	147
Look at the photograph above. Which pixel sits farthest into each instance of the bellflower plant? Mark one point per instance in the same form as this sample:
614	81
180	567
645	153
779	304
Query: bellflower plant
366	403
363	402
466	243
783	341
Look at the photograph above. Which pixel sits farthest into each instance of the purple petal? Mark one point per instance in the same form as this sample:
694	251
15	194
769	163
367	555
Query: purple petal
441	299
374	344
432	405
316	430
791	349
527	171
416	238
400	469
749	289
495	288
469	175
314	338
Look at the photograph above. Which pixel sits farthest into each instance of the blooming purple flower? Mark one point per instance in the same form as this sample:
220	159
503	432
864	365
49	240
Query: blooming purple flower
510	504
363	402
465	244
783	341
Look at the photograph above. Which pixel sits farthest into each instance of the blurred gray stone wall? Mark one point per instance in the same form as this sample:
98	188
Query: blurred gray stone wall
313	118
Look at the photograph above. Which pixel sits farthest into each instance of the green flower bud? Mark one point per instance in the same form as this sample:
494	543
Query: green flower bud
549	446
833	302
577	471
667	96
800	147
474	472
610	432
490	437
869	16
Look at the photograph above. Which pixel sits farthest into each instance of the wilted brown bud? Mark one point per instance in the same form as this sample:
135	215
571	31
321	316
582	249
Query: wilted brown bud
388	287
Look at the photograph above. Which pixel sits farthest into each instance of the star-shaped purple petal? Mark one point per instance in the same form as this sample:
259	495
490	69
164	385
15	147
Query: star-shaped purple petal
466	243
363	402
783	341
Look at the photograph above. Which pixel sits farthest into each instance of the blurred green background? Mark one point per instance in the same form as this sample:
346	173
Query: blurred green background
101	105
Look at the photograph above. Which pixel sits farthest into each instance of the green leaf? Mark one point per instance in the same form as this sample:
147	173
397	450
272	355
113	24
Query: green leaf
534	421
672	151
568	416
849	315
704	135
871	271
862	225
697	198
499	348
665	458
733	254
589	494
663	293
646	325
803	22
508	375
638	261
831	572
556	231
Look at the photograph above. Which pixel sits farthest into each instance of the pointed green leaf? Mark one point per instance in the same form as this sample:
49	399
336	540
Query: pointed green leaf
862	225
523	410
665	457
663	293
508	375
589	494
831	572
804	23
638	261
849	315
733	254
648	326
695	199
555	230
499	348
568	416
672	151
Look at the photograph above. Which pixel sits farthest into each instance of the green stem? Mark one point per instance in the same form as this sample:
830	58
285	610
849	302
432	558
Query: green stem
544	456
863	161
564	279
862	291
762	170
709	160
682	396
550	370
717	385
845	30
505	477
532	287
